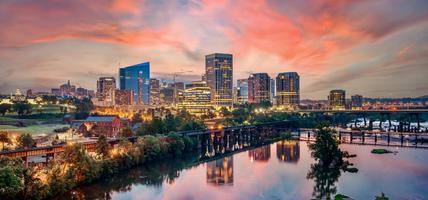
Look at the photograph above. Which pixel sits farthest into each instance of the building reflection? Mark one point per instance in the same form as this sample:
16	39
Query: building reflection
220	171
288	151
260	154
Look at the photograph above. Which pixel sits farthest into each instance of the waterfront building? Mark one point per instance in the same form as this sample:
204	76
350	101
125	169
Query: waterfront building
288	151
288	90
242	91
136	78
219	76
154	92
259	88
220	171
197	98
337	100
123	98
108	126
106	86
356	102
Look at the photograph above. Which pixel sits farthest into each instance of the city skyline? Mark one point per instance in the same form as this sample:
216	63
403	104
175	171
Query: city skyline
330	45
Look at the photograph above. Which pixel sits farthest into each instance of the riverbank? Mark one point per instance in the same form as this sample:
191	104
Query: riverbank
77	167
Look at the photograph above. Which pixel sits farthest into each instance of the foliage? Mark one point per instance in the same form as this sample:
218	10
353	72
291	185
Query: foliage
4	108
380	151
26	141
102	146
329	157
22	108
381	197
341	197
126	132
83	107
4	138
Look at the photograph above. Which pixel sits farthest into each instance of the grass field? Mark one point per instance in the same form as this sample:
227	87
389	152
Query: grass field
34	130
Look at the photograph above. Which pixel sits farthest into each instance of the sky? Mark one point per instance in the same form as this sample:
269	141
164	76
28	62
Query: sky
377	48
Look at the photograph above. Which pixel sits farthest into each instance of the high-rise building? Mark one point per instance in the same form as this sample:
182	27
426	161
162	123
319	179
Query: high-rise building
356	102
197	98
288	90
259	88
106	86
136	78
219	76
81	92
242	91
272	91
337	100
154	92
124	97
29	93
166	96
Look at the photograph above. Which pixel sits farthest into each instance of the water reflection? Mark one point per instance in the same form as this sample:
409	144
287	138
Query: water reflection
260	154
220	171
288	151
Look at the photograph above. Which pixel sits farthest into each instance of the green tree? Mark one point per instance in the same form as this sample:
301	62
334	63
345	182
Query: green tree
4	138
26	141
22	108
83	107
170	123
80	167
102	146
10	183
4	108
126	132
176	144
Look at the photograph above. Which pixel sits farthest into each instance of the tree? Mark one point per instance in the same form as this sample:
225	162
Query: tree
102	146
126	132
83	107
22	108
4	108
170	123
26	141
4	138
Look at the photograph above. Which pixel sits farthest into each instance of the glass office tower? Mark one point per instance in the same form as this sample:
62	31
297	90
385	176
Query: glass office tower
219	75
136	78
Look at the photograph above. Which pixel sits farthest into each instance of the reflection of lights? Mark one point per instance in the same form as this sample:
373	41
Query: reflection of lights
251	159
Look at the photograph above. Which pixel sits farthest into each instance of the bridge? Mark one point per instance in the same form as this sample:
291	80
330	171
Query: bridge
414	111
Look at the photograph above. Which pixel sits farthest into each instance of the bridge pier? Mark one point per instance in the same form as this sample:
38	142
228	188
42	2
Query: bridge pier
363	137
388	138
351	137
402	139
375	138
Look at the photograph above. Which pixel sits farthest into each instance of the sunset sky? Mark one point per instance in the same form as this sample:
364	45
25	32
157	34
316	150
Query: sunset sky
377	48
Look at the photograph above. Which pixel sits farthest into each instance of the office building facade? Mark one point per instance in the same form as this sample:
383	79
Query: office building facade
259	88
106	87
219	76
288	90
242	91
136	78
356	102
337	100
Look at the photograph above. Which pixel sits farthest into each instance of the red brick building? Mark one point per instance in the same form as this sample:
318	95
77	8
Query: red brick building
109	126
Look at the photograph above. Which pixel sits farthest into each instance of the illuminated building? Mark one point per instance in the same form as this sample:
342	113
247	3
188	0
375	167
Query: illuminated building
356	102
136	78
108	126
288	90
288	151
81	92
67	89
29	93
154	92
197	98
272	91
337	100
106	86
166	96
56	91
219	75
124	98
18	96
220	171
242	91
259	88
260	154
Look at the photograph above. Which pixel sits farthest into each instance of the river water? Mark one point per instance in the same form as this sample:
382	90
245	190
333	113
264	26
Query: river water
276	171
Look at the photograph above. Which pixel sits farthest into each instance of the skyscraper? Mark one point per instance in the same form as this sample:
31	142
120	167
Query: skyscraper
337	100
154	92
356	102
219	75
106	86
259	88
288	90
136	78
197	98
242	91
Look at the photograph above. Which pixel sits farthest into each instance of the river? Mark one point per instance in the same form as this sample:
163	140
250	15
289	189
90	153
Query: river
275	171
